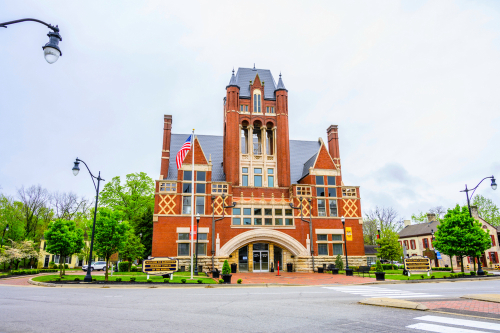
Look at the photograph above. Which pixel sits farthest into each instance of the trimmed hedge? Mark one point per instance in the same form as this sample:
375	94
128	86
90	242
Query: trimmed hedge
441	269
31	271
123	266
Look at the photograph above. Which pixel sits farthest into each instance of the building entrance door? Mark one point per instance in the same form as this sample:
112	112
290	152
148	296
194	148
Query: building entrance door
260	257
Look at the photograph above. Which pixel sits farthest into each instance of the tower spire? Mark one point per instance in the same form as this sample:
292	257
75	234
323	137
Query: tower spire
281	85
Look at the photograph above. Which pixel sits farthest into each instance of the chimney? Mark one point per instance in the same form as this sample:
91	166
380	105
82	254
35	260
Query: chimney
474	212
333	143
431	217
165	153
407	223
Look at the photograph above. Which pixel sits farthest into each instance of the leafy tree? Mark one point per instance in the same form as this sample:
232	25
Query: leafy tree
9	215
132	198
389	247
64	239
420	217
18	251
370	231
143	226
339	263
35	211
110	233
487	210
460	235
132	249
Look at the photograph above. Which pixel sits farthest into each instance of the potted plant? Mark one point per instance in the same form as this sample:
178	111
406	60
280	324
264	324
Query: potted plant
379	271
226	272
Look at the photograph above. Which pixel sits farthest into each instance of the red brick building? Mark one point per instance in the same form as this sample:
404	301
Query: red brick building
255	165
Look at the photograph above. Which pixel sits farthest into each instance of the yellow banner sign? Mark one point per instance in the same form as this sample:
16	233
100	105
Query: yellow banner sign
160	266
417	264
348	233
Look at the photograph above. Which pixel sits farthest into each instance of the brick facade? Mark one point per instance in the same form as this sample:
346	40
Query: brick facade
256	175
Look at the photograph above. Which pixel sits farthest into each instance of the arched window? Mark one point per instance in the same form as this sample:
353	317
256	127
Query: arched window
257	101
244	138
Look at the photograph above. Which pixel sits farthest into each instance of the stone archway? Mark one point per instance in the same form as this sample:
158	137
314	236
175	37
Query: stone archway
257	235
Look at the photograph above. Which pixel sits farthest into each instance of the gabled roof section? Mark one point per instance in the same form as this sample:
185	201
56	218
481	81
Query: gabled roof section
199	155
300	153
212	146
245	75
324	160
419	229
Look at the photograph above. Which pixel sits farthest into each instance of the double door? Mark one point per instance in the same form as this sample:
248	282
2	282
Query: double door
260	261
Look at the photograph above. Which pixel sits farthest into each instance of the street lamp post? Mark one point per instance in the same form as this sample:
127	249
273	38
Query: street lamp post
76	169
197	232
4	230
348	271
310	224
467	190
51	50
212	246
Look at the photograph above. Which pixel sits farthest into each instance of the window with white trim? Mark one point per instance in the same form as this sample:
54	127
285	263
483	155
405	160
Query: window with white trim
169	187
257	102
219	188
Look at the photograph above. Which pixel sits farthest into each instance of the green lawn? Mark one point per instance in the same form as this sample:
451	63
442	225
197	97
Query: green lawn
144	274
416	276
138	278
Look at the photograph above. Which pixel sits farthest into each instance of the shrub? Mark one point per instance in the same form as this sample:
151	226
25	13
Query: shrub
354	267
77	279
134	269
433	277
378	267
166	281
52	265
149	280
94	280
132	279
239	281
183	280
473	273
221	281
118	279
441	268
388	266
339	263
123	266
200	281
57	279
225	268
422	277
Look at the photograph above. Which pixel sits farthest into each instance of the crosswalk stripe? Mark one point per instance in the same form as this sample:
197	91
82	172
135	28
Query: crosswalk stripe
461	322
380	292
441	329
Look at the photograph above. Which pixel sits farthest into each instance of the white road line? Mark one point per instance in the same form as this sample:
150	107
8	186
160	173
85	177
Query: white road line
380	292
441	329
461	322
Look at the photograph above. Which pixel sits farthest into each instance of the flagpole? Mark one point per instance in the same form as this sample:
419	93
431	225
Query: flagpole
192	205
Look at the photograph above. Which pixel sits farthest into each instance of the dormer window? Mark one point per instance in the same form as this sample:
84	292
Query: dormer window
257	102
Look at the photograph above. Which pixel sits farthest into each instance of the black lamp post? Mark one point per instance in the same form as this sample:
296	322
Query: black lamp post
212	246
348	271
51	50
76	169
310	224
467	190
196	251
4	230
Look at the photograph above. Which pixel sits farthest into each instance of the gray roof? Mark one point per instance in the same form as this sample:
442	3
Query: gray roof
419	229
309	163
300	153
210	144
232	82
370	249
245	75
281	85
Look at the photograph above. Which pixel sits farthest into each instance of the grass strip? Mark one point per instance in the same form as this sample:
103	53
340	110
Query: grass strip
176	279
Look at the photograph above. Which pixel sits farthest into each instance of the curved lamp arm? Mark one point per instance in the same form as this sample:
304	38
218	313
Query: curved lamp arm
474	189
90	172
5	24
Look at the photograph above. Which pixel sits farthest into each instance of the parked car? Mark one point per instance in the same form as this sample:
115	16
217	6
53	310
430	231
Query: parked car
99	265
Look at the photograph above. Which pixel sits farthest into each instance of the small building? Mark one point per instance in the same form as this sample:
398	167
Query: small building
371	254
417	239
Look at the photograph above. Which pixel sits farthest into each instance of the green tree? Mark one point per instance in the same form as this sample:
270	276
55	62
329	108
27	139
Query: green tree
460	235
132	248
64	239
487	210
389	247
143	226
420	217
370	231
18	251
132	198
10	211
110	233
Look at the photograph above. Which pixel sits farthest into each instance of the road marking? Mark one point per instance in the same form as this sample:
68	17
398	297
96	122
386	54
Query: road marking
441	329
381	292
461	322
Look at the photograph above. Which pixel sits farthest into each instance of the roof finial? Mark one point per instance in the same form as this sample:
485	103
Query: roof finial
254	66
233	70
280	74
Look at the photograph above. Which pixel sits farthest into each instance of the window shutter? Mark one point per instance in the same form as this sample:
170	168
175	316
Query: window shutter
492	240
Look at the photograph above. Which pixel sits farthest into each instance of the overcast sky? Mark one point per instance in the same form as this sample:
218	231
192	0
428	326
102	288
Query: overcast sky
413	86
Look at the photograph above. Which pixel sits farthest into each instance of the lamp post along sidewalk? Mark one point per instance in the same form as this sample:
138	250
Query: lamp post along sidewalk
76	170
348	271
51	50
310	225
197	232
212	245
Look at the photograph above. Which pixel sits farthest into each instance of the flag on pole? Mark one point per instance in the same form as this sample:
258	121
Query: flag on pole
186	147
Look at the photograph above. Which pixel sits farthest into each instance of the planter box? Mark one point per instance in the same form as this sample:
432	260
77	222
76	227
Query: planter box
380	276
335	271
348	272
215	274
320	270
227	278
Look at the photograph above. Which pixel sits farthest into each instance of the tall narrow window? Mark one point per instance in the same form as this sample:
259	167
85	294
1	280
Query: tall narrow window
257	141
256	103
270	177
201	176
244	140
200	205
333	207
269	142
319	180
186	205
321	208
257	178
244	177
331	180
187	175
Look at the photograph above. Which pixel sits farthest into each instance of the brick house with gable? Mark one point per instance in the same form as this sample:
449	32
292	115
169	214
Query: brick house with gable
255	165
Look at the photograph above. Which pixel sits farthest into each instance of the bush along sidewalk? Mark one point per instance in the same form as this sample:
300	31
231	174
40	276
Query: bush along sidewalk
31	271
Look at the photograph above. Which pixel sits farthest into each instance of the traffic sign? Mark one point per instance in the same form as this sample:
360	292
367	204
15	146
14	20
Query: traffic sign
160	266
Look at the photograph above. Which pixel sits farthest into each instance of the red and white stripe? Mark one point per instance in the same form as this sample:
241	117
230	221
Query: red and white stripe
186	147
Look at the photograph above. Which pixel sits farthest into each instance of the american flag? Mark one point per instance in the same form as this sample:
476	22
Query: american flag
186	147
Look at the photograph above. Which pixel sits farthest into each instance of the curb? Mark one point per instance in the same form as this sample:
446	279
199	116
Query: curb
494	298
431	281
394	303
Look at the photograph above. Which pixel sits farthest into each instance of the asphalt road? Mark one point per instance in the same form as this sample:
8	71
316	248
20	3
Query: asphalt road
250	309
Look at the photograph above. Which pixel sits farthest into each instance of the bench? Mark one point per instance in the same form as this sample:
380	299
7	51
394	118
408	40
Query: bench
363	270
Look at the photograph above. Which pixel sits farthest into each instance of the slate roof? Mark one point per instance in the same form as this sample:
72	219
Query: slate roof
419	229
211	144
300	153
370	249
245	75
281	85
309	163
